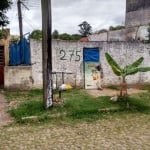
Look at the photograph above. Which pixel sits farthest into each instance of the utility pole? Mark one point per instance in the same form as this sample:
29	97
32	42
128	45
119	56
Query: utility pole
47	53
20	18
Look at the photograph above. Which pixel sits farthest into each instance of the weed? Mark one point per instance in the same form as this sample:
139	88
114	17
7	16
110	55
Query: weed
78	105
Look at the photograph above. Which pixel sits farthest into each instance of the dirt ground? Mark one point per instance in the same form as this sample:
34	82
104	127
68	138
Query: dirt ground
111	92
4	116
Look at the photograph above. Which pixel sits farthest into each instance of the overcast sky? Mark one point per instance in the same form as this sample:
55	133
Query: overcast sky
68	14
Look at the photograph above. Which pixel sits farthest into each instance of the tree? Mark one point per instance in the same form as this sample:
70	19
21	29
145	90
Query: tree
126	71
36	34
119	27
101	31
76	37
55	34
65	36
4	6
85	29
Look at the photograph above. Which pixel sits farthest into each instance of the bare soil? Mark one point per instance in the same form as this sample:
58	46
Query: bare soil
5	118
112	92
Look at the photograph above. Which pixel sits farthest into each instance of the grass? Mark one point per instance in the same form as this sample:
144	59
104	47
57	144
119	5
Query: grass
78	106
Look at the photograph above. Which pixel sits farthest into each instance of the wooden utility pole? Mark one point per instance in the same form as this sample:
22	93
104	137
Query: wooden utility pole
20	18
47	53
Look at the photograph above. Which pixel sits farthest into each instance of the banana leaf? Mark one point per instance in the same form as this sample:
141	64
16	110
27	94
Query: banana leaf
116	70
112	62
131	71
144	69
135	64
135	70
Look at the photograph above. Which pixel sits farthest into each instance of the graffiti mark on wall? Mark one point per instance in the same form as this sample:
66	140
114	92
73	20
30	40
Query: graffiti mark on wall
69	55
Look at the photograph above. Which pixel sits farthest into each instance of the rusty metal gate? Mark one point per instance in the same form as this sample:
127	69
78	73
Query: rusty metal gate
2	63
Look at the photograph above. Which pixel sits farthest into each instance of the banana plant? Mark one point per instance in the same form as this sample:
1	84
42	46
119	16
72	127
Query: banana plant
130	69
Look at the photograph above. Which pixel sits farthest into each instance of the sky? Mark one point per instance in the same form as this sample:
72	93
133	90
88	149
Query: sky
68	14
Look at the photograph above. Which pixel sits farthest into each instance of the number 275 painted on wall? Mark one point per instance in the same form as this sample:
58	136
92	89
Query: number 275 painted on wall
74	55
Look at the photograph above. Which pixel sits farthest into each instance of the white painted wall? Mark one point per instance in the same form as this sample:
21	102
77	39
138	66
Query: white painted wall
68	57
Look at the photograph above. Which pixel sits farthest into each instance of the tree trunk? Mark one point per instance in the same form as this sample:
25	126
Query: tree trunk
123	88
123	91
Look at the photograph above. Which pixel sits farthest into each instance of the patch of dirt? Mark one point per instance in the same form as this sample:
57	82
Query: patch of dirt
5	118
111	92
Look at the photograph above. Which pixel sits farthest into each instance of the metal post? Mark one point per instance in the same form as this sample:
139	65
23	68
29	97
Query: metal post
63	80
47	53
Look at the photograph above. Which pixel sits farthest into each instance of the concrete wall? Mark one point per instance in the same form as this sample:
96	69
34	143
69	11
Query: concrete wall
129	34
18	77
142	33
98	37
68	64
137	13
68	58
117	35
36	62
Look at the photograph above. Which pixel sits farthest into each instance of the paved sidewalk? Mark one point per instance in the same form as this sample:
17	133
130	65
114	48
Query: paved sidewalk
4	116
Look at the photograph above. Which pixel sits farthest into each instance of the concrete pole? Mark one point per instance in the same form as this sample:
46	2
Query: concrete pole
47	54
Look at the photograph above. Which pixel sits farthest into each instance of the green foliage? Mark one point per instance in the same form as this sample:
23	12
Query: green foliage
119	27
55	34
78	106
127	70
115	67
3	34
65	36
85	28
4	6
36	34
135	64
76	37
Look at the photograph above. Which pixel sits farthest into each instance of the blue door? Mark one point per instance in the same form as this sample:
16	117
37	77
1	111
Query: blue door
91	59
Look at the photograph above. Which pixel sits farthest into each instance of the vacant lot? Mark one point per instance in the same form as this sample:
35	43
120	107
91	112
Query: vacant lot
89	123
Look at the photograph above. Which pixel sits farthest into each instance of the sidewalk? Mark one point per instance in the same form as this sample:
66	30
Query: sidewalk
5	118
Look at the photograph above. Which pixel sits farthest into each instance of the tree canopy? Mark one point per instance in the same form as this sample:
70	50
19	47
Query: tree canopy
85	28
111	28
36	34
55	34
4	6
